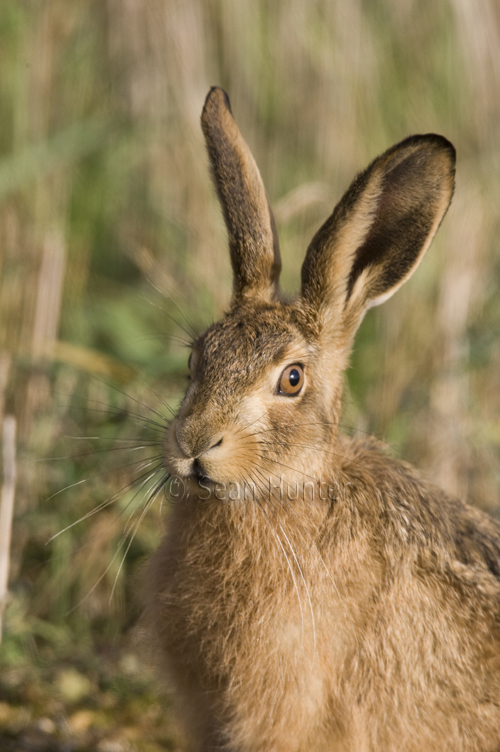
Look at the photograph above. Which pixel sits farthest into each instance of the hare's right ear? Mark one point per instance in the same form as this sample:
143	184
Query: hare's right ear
253	241
378	233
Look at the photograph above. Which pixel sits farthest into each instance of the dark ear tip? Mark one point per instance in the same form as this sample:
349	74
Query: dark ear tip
444	145
215	98
433	140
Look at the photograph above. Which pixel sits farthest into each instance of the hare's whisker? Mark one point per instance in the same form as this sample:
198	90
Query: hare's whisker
301	424
120	544
306	588
103	473
164	337
113	387
350	430
288	509
120	413
194	332
295	469
110	500
337	455
246	427
289	564
130	397
300	569
150	499
300	446
100	451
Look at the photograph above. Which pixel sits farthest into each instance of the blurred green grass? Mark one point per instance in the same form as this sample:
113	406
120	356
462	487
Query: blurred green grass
110	233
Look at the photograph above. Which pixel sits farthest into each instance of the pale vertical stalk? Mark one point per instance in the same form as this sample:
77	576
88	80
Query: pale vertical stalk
50	285
7	506
5	361
46	320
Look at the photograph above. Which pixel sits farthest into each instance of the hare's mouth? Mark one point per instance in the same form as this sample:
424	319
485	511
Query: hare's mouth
199	474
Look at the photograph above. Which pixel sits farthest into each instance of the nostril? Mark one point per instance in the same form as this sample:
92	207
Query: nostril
192	441
181	442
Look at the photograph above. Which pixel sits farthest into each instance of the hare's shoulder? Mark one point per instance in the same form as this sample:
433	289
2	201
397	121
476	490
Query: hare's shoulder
460	539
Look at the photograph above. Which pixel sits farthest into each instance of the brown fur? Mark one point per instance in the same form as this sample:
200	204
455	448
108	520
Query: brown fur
312	593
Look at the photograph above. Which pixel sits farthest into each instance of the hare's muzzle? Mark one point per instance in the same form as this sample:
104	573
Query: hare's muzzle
187	446
194	439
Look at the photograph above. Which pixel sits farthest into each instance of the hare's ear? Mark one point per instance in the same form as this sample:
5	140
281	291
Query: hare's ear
253	241
379	232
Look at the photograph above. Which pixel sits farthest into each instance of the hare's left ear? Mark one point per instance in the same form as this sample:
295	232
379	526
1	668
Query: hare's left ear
379	232
253	241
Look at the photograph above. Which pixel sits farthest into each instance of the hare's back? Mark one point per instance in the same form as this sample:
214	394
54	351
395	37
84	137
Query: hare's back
430	643
416	523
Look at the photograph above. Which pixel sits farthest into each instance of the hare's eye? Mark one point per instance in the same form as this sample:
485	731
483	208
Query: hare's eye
291	380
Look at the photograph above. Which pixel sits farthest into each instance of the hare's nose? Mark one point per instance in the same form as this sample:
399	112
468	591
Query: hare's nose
194	443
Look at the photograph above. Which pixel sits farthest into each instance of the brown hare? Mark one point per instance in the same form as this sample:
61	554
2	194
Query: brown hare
312	593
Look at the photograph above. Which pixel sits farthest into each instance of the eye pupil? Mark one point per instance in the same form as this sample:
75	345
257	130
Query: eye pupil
291	381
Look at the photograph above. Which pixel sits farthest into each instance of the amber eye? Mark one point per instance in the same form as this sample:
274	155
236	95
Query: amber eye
291	380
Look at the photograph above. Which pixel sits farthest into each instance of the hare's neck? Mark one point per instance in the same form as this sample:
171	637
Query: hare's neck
250	545
230	574
295	509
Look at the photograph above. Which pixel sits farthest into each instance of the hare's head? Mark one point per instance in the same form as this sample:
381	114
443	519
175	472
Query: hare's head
266	380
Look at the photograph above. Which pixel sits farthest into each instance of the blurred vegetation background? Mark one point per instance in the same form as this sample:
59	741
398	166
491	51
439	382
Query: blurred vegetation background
112	246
